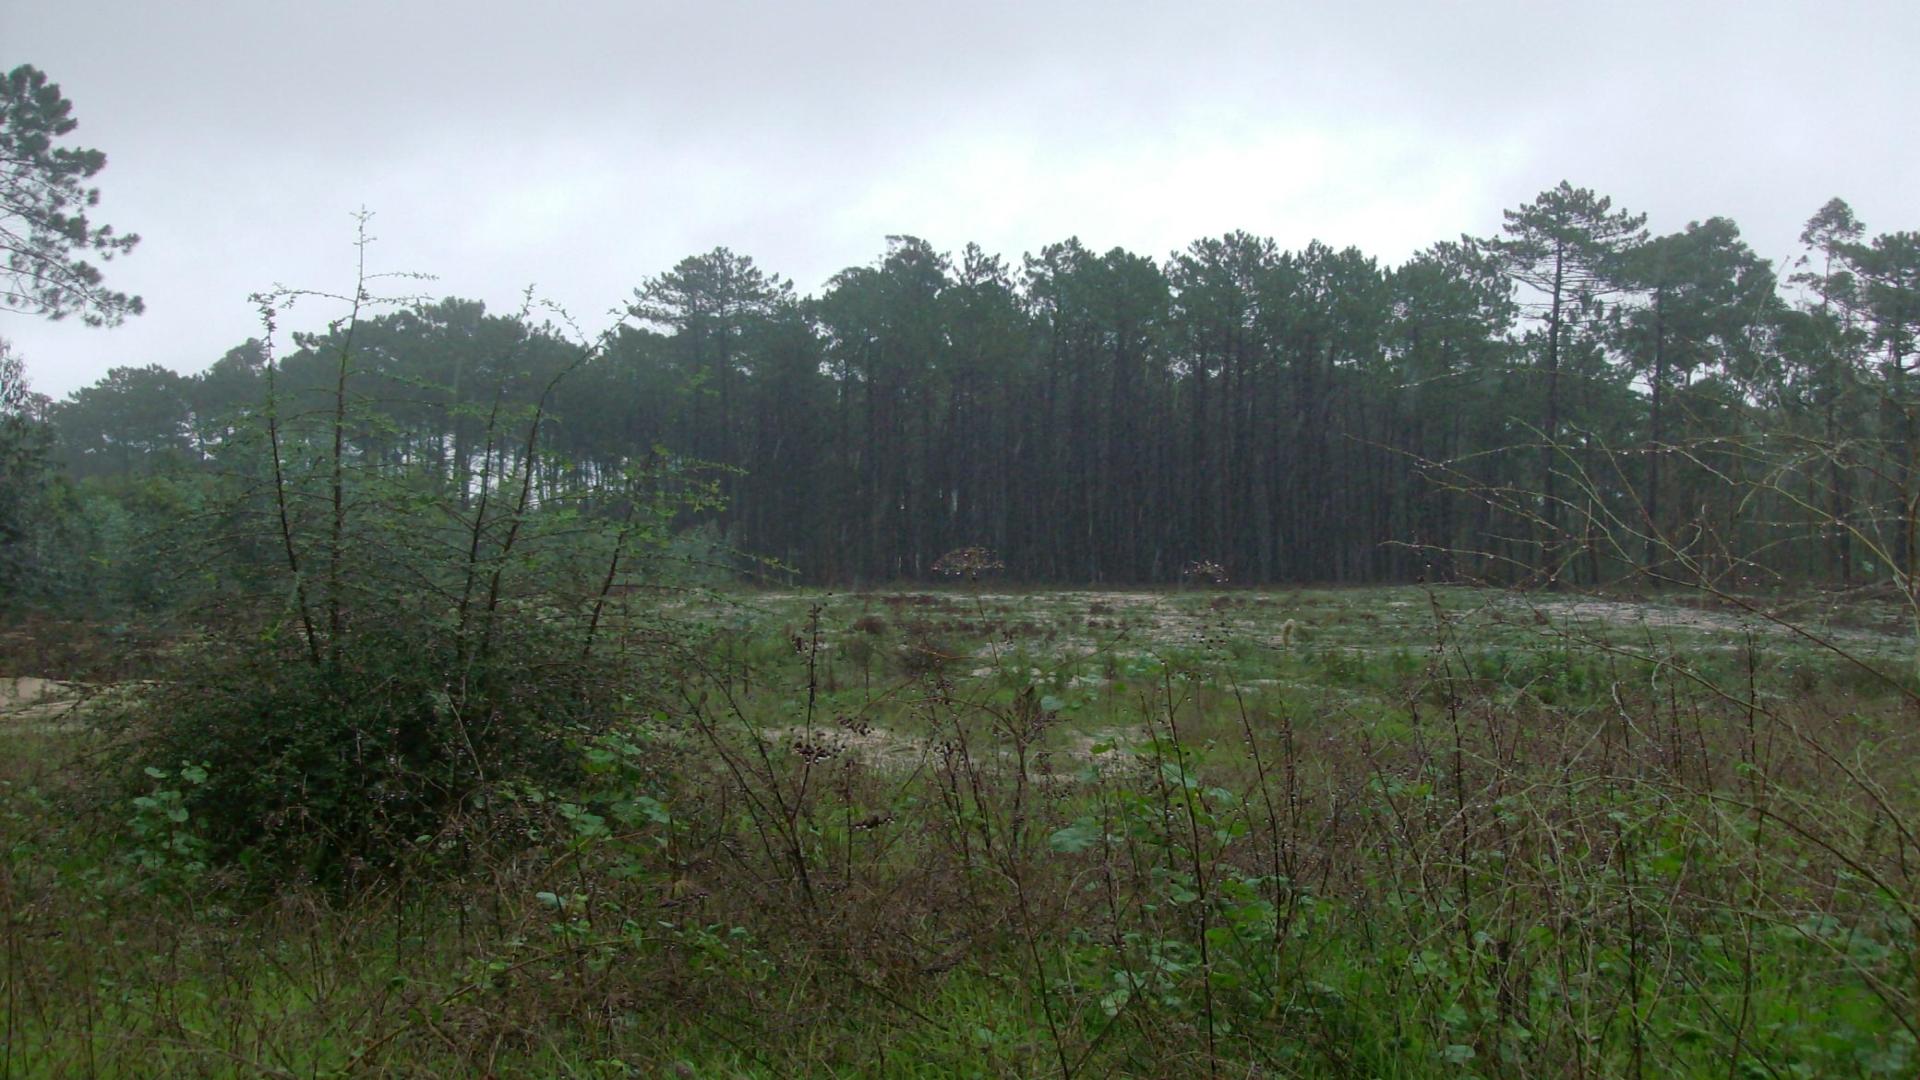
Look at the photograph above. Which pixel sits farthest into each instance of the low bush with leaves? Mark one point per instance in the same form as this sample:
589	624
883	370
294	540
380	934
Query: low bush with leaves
408	630
346	765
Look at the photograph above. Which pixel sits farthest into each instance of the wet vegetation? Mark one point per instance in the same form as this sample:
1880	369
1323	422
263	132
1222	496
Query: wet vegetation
1408	831
437	693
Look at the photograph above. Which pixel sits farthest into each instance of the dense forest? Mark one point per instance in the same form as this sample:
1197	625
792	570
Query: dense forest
1555	404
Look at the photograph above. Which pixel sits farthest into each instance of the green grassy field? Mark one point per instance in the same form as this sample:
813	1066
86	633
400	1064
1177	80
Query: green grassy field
1388	832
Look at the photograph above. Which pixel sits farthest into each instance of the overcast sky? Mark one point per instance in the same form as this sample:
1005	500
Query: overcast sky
583	147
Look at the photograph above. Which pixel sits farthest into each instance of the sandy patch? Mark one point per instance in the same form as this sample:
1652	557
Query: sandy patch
825	743
1618	613
1108	751
29	700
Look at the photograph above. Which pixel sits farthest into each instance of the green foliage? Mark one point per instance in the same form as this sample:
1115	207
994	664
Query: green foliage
25	440
1570	402
43	210
131	422
1509	852
167	845
396	640
344	767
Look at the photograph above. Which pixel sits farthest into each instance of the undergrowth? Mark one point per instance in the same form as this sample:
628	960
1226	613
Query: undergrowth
1449	859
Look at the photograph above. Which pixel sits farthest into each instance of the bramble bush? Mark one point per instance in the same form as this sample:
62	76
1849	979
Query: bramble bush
408	631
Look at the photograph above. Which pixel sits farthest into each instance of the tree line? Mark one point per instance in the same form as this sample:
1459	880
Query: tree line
1569	401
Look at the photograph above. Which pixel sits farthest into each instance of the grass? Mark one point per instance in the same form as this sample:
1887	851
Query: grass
1383	832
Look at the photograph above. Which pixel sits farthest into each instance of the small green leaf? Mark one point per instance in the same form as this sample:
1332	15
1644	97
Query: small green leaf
1080	836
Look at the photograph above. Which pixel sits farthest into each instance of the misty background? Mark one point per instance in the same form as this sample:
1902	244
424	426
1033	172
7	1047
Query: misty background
586	146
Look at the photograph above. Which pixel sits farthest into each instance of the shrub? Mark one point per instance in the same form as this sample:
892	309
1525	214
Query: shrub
333	770
406	634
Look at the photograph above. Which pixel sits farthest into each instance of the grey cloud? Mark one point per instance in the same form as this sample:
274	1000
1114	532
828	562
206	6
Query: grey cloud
587	145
